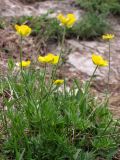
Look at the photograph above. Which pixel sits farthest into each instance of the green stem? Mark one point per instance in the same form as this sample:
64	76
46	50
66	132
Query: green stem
86	90
109	68
91	78
22	73
21	50
1	63
63	39
56	67
44	74
61	51
4	118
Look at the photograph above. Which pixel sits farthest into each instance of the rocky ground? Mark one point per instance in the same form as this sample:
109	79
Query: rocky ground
14	8
78	61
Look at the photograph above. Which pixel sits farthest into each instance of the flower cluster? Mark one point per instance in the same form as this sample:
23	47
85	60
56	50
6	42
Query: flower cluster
66	21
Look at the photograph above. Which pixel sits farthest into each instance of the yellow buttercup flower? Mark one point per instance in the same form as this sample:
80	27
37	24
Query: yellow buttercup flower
45	59
58	82
108	36
24	63
23	30
99	61
49	58
67	20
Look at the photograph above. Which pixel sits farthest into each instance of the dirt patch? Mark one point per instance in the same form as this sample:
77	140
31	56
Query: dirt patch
30	1
15	8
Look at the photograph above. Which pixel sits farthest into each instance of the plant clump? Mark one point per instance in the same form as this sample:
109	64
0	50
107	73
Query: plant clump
42	119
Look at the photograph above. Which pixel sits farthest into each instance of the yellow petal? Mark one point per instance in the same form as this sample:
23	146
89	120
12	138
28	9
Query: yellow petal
46	59
16	27
58	82
99	61
23	30
71	20
55	60
41	59
67	20
25	63
49	58
108	36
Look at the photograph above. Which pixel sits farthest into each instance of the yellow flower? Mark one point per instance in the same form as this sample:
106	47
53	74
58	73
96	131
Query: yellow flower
24	63
49	58
99	61
23	30
67	20
108	36
58	82
45	59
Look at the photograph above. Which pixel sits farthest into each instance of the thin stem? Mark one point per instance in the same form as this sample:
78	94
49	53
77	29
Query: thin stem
63	39
44	74
5	124
56	67
22	73
87	87
1	62
91	78
109	67
61	51
21	50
